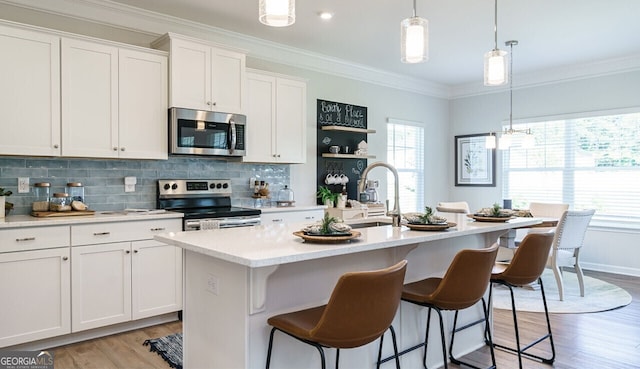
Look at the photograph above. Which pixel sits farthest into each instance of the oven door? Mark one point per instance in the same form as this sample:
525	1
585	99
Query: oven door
217	223
197	132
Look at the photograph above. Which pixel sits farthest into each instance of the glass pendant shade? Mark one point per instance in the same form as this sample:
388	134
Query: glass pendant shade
505	141
277	13
414	33
490	142
528	141
495	68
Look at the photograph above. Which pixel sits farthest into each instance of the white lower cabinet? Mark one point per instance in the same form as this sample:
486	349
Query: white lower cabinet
114	282
34	295
291	216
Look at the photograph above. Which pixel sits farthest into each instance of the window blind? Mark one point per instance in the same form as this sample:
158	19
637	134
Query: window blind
588	162
405	151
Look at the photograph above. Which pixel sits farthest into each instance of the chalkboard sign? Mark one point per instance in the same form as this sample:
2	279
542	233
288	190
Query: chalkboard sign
331	113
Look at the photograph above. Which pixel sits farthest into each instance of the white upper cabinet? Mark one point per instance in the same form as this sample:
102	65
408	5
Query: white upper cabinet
142	101
89	99
29	93
276	119
114	102
204	77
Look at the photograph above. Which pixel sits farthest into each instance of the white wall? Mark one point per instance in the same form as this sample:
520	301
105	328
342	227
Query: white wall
614	251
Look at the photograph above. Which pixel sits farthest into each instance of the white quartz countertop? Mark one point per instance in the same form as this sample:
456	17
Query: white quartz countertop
275	209
275	244
18	221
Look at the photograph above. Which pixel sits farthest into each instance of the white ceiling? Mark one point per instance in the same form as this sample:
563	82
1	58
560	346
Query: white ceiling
551	33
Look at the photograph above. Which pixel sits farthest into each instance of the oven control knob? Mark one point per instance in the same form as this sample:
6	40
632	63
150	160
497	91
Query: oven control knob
219	186
167	186
225	185
174	186
212	186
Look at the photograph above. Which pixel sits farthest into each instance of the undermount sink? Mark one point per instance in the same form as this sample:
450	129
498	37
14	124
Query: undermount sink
374	223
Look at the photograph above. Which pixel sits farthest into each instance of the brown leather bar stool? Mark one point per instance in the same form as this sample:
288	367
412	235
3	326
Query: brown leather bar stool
527	265
462	286
360	310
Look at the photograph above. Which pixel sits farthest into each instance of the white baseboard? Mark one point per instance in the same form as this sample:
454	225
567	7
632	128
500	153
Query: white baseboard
66	339
606	268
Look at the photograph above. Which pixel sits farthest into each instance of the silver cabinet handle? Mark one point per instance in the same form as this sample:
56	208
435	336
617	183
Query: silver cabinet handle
25	239
56	146
65	258
135	251
102	233
157	229
128	251
115	148
122	149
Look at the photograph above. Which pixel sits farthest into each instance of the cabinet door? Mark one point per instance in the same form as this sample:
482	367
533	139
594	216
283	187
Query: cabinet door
156	278
228	81
35	290
309	216
29	93
100	285
261	114
190	75
291	121
142	123
89	99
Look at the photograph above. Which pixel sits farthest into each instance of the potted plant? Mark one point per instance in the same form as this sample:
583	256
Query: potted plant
3	201
327	196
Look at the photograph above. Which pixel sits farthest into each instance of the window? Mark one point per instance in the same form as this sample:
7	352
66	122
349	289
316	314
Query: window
588	162
405	151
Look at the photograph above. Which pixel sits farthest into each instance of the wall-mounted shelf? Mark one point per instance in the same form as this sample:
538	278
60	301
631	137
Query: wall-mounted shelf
348	129
347	156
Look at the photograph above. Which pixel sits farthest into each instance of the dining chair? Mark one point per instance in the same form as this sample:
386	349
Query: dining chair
360	310
526	267
567	242
462	286
541	210
458	207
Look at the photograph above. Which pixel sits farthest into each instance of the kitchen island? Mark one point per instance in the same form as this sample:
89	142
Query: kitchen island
235	279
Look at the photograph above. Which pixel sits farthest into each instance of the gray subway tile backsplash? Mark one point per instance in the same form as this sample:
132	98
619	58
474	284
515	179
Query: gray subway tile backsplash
104	179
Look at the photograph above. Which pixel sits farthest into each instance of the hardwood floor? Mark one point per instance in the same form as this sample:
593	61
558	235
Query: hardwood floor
605	340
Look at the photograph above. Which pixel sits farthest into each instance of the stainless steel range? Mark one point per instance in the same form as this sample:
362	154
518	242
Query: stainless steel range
205	203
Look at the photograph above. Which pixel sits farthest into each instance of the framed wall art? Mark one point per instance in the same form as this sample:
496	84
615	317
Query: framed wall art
474	163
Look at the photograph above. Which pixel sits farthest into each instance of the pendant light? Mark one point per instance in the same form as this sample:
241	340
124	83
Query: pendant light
495	61
414	34
506	139
277	13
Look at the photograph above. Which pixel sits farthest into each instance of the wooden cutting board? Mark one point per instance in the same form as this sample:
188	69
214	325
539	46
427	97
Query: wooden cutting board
43	214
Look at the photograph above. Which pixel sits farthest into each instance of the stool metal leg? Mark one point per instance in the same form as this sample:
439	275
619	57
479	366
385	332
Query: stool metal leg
317	346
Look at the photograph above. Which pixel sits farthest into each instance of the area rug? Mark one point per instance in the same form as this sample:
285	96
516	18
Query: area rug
598	295
169	348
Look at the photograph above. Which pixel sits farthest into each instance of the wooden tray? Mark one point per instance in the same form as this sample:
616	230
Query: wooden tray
430	227
490	219
327	239
44	214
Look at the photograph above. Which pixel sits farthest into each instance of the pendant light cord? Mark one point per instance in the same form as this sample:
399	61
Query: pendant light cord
511	86
414	9
495	25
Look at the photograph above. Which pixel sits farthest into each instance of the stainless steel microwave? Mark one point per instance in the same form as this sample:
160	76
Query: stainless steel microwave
198	132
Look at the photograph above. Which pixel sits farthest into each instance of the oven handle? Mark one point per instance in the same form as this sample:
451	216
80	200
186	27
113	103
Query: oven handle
239	222
232	135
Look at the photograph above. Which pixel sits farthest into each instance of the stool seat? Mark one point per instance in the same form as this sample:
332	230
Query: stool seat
463	285
360	310
527	265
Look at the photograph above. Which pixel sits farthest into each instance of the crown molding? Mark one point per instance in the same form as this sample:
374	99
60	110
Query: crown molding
154	24
553	76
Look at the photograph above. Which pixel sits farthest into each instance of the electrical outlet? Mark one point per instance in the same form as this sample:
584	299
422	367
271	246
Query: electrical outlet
213	284
23	184
252	182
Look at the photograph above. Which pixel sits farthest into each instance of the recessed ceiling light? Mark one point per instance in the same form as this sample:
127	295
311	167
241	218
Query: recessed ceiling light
325	15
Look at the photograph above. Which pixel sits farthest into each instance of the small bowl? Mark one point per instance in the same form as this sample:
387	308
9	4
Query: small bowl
334	149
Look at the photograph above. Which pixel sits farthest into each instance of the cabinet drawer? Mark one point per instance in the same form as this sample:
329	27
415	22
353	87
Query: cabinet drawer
34	238
89	234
